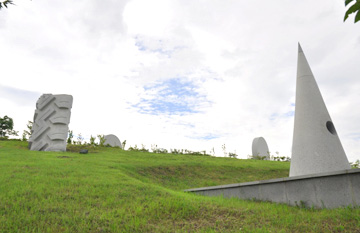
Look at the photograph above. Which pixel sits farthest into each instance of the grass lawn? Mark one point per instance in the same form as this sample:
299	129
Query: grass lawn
112	190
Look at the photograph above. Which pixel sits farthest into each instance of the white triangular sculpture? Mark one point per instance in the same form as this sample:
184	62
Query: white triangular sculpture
316	146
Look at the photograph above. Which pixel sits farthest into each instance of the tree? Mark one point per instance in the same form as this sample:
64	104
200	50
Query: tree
27	133
6	127
70	137
5	3
355	8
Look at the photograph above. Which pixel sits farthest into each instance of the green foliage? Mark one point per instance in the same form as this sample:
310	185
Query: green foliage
223	147
6	127
233	155
80	139
301	204
282	158
155	149
186	152
272	158
92	141
101	138
5	3
70	137
355	8
123	144
355	164
212	152
75	148
135	148
257	157
200	153
143	149
9	139
27	133
114	190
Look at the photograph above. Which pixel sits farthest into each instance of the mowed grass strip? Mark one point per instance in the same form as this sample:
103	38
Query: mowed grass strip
113	190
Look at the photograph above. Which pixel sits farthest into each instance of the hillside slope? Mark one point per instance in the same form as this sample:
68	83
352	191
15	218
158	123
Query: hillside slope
111	190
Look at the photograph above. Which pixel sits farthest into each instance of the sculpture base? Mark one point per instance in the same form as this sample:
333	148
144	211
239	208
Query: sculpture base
324	190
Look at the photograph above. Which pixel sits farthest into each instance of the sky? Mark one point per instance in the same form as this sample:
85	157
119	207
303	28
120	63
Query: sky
181	74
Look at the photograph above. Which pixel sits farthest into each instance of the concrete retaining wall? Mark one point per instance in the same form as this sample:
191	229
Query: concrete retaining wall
325	190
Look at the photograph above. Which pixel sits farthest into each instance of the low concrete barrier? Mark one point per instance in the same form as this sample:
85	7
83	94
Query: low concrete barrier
325	190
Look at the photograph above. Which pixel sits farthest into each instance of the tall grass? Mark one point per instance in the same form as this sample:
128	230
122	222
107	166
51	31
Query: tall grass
112	190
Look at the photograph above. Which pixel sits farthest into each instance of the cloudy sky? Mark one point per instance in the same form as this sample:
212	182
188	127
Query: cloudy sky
181	74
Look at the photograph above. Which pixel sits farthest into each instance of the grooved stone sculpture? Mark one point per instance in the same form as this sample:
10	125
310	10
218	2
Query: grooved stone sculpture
316	146
51	120
260	148
112	140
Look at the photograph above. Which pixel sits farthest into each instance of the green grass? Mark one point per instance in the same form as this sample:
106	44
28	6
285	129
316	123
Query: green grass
111	190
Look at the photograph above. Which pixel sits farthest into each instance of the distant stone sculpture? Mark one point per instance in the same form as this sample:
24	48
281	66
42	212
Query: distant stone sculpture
112	140
50	125
316	145
260	148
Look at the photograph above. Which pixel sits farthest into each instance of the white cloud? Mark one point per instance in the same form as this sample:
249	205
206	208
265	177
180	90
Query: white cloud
240	55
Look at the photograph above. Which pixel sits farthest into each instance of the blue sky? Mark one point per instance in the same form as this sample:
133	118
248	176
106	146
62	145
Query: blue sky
175	96
155	46
178	74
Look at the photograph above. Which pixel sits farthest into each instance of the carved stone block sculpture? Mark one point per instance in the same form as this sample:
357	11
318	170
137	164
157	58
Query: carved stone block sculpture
51	123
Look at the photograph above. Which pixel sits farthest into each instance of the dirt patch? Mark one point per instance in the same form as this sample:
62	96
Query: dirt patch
63	157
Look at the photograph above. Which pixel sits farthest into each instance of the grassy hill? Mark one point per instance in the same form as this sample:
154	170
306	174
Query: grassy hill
112	190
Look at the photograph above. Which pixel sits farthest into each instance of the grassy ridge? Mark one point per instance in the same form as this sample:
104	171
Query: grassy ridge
112	190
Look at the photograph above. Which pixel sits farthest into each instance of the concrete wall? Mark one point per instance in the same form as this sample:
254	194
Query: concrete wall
325	190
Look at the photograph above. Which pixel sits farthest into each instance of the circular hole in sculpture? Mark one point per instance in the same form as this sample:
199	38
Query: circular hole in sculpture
330	126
